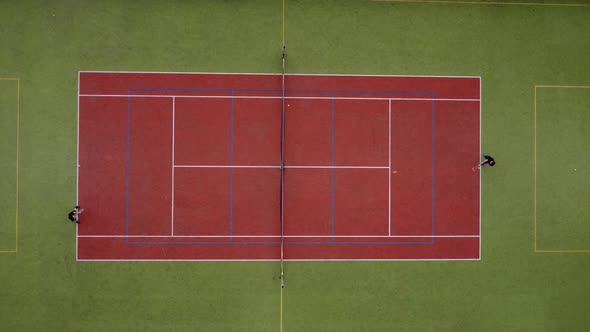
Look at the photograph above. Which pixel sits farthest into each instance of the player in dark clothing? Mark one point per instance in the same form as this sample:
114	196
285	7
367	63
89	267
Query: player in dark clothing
488	160
73	215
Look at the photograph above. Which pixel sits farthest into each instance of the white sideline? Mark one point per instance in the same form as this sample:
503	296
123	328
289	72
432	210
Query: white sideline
172	195
429	99
77	156
278	236
267	74
480	126
277	260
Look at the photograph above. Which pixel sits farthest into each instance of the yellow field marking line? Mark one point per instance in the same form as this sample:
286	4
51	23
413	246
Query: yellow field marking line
17	150
489	3
564	86
281	312
17	156
562	251
283	22
535	164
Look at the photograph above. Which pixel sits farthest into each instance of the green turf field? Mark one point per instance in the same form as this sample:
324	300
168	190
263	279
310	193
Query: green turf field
563	146
519	285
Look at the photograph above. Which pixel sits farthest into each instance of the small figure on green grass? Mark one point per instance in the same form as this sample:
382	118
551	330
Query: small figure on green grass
73	215
488	160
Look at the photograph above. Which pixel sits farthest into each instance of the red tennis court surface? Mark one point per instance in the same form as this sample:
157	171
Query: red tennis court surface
182	166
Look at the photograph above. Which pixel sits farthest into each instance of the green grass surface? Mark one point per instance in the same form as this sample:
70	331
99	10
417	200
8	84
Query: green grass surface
563	156
8	115
512	48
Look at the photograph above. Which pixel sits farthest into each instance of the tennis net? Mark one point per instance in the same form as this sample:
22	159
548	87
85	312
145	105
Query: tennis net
283	60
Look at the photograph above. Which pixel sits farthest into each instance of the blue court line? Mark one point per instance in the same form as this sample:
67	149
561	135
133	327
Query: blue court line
390	178
231	169
185	89
232	91
328	92
277	242
127	165
365	92
432	158
333	189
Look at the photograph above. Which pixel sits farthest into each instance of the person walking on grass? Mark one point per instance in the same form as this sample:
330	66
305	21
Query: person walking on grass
73	215
488	160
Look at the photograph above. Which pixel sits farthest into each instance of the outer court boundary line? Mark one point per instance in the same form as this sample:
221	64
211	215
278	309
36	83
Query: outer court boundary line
429	98
15	251
536	249
278	236
278	259
479	156
77	157
496	3
266	74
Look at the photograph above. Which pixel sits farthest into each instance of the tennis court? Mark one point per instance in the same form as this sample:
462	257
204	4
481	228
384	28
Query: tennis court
278	165
193	167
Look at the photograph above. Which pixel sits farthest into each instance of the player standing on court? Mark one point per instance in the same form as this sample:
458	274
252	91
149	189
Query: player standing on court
73	215
488	160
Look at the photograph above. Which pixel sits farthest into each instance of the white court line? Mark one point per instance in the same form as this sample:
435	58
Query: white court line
278	236
480	126
264	74
269	166
78	140
275	74
389	187
225	166
279	97
276	260
77	157
341	167
173	134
